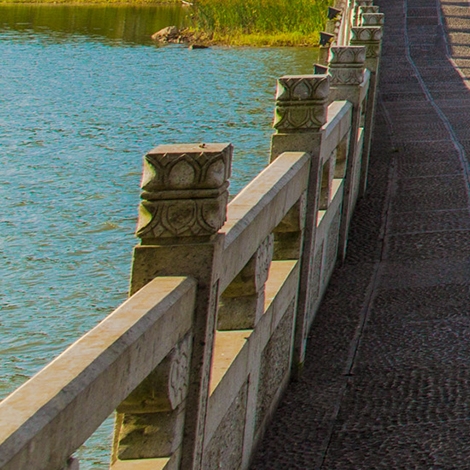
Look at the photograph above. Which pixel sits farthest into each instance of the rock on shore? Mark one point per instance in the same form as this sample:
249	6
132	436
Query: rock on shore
168	34
172	35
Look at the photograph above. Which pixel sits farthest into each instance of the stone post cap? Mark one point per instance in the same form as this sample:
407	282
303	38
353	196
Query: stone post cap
364	3
301	102
184	190
370	37
369	9
347	65
372	19
344	56
362	34
185	167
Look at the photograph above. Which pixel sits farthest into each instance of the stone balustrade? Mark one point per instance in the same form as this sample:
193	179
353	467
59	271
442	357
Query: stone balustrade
51	415
222	294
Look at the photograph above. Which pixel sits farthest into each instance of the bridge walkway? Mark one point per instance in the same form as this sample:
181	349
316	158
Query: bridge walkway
387	376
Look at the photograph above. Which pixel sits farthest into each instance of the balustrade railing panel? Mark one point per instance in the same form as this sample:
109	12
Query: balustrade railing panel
52	414
259	208
223	295
250	368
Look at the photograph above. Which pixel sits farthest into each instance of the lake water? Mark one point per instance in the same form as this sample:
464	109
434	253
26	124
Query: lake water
84	93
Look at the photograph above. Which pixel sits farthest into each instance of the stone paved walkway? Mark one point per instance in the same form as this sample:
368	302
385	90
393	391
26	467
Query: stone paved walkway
387	378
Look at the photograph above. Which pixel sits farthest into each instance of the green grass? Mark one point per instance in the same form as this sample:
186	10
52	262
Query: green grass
260	22
91	2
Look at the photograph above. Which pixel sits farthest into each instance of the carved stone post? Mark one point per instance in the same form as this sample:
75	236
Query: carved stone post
301	111
359	4
347	77
371	38
184	200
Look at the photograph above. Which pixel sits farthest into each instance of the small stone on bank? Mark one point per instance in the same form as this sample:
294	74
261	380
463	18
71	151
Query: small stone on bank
166	34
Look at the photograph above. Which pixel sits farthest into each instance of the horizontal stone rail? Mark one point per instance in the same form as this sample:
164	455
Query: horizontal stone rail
222	295
52	414
257	303
259	208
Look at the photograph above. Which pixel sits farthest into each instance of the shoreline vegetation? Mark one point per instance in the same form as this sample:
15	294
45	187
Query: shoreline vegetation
93	2
256	23
259	22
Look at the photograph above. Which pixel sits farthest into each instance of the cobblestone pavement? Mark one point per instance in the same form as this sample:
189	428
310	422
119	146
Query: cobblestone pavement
387	377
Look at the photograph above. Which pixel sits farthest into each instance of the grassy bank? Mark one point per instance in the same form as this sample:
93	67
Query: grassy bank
260	22
237	22
92	2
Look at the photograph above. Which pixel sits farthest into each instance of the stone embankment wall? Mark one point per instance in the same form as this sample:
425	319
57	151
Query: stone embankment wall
222	295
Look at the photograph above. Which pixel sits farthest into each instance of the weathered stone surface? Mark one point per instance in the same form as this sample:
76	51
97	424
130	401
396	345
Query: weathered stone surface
275	364
372	19
326	182
301	102
226	447
347	65
294	221
185	198
252	209
181	218
368	36
341	158
68	400
184	191
288	235
253	276
150	435
240	312
315	275
351	81
165	388
242	303
332	244
201	261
